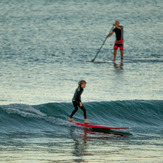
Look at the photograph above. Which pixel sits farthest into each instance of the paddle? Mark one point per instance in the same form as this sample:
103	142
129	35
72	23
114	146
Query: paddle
101	46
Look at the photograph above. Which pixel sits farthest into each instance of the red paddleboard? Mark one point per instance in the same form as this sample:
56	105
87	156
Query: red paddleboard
97	126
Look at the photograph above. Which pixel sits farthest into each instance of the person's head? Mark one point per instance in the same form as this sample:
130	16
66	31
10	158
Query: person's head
82	83
117	23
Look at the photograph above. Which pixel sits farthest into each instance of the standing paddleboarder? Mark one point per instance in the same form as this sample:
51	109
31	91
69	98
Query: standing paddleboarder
77	101
119	39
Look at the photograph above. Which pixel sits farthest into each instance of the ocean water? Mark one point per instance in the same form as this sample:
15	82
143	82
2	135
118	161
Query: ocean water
46	47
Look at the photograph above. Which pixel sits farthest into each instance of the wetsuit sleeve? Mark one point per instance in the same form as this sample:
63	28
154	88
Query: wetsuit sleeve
77	95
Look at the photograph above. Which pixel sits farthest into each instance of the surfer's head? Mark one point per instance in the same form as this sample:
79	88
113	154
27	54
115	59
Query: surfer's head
117	23
82	83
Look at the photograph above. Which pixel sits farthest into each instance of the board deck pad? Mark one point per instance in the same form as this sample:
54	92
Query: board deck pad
97	126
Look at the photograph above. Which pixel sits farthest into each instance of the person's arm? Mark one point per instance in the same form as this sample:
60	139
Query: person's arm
80	102
78	95
117	26
110	34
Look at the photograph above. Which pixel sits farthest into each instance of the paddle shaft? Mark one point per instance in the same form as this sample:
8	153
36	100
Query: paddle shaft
99	50
101	46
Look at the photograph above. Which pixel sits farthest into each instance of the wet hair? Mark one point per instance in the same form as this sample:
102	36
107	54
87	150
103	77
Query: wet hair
81	82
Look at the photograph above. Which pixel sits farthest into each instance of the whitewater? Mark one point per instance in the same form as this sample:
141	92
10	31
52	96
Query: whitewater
46	47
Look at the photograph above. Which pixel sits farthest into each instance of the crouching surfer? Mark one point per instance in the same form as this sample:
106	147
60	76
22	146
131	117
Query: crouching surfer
77	101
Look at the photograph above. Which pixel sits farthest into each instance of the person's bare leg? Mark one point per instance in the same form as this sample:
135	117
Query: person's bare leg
121	55
115	53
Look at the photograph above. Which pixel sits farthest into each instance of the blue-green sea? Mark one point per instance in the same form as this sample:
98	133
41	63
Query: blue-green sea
46	47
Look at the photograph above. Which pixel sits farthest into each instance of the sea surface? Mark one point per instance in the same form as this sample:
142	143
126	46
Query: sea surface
46	47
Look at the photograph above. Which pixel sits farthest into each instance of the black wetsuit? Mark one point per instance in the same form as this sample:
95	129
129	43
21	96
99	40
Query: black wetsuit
119	38
76	102
119	33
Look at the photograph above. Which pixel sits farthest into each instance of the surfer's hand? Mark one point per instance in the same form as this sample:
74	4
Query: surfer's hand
80	104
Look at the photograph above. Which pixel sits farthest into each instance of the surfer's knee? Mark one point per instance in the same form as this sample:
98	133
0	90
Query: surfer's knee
76	109
83	108
115	47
